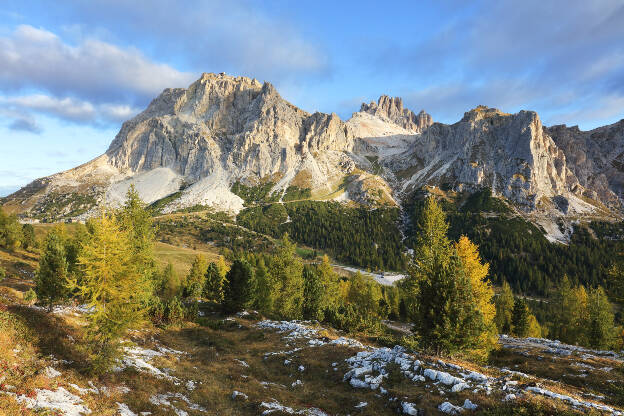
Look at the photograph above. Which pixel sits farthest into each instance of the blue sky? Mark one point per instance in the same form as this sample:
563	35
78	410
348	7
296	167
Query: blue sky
72	71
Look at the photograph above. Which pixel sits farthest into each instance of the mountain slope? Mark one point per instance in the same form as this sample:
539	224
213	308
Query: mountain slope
193	145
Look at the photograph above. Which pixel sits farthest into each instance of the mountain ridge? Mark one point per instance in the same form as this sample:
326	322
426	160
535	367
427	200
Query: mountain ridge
223	130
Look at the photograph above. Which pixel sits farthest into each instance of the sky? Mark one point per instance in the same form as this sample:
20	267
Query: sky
71	71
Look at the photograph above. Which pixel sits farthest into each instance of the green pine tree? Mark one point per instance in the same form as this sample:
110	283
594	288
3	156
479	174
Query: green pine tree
601	329
196	279
238	290
521	318
504	309
265	288
213	283
439	293
51	279
313	294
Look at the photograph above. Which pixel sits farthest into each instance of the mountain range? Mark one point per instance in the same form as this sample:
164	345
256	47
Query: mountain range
192	146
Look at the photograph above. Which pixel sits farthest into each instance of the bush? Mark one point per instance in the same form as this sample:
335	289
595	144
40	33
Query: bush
2	273
174	313
30	296
157	311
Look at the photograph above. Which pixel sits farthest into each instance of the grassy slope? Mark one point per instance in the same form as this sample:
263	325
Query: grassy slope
31	340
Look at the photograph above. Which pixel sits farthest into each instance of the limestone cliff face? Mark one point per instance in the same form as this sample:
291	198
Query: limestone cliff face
510	154
220	122
223	129
597	159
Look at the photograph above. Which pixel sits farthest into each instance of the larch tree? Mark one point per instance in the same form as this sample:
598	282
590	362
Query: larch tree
10	231
330	281
28	237
504	304
115	284
482	294
196	278
287	270
170	284
570	307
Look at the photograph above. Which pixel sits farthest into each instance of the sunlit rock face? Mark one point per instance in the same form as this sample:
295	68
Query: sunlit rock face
200	140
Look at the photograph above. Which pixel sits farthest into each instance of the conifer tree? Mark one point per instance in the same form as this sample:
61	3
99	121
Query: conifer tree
535	329
136	220
601	329
51	284
521	318
10	231
28	236
265	287
364	294
330	281
616	286
504	309
286	269
239	287
570	311
482	294
170	284
213	286
313	293
114	284
443	308
196	279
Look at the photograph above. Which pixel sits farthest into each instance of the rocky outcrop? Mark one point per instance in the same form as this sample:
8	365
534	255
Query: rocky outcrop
511	154
223	129
597	159
392	109
224	123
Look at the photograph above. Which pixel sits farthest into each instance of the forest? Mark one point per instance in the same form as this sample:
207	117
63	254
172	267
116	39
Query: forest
519	253
354	235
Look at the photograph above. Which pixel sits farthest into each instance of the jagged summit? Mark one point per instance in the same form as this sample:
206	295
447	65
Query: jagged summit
483	111
392	109
197	142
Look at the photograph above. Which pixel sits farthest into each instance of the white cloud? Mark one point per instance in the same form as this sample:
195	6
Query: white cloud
67	108
214	36
72	109
92	70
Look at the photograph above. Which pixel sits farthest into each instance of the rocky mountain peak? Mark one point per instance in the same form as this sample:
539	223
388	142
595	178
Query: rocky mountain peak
224	129
481	112
392	109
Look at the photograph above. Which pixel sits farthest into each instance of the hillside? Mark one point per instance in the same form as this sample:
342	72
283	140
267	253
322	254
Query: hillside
246	366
